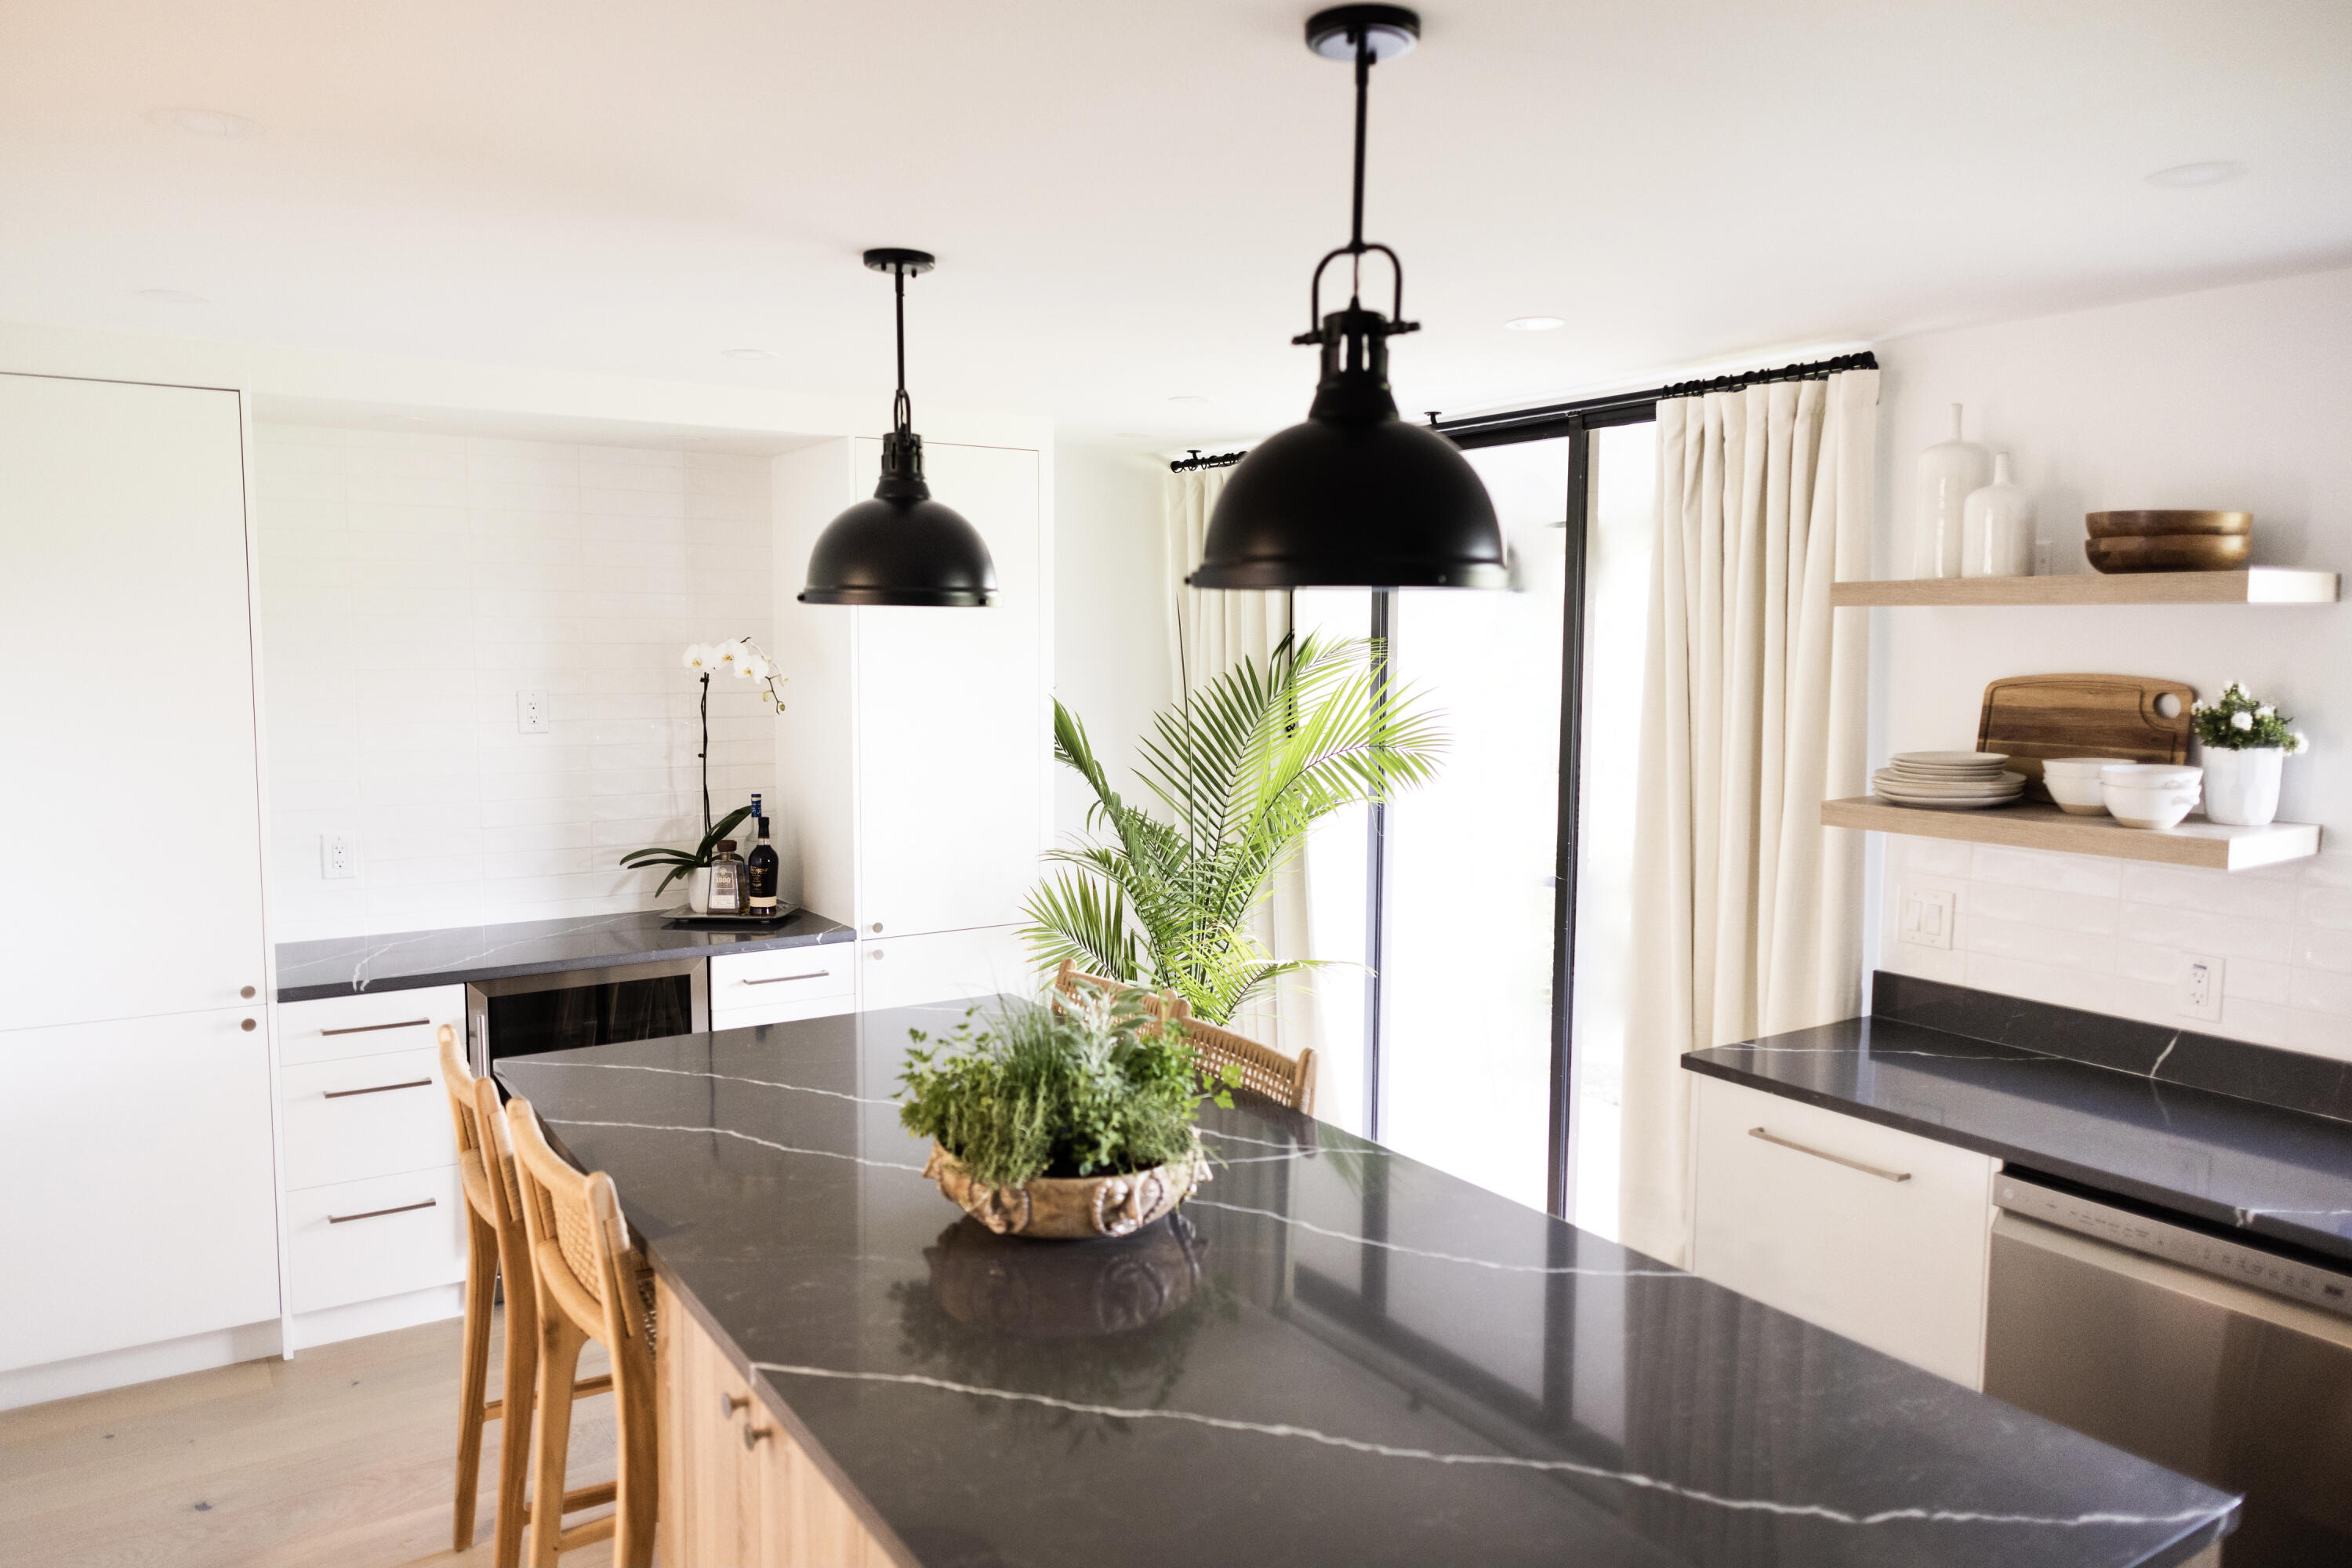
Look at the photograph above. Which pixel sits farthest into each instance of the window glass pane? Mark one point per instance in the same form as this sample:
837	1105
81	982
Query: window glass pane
1621	524
1336	855
1465	1043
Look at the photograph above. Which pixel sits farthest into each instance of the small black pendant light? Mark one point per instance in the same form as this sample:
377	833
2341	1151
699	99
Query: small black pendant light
902	547
1355	497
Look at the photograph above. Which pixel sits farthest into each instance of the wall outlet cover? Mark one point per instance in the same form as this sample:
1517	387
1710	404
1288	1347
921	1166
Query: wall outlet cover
1927	917
2200	986
339	855
530	713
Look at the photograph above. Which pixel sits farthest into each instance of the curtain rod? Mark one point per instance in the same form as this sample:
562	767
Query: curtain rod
1616	408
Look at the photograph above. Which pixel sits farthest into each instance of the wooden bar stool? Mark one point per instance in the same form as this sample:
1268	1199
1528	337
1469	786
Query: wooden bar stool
498	1253
592	1284
1075	984
1263	1069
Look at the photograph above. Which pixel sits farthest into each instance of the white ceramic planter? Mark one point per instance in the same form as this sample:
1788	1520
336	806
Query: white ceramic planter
698	890
2242	787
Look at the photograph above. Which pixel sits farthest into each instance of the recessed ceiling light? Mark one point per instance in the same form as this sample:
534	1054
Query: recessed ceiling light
748	353
1188	397
2181	176
172	297
1534	323
213	122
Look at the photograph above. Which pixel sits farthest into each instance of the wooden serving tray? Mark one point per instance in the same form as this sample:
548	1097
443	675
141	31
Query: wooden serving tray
2030	717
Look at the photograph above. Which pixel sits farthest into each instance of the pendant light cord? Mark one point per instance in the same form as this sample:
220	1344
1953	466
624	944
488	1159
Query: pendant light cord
1356	230
902	409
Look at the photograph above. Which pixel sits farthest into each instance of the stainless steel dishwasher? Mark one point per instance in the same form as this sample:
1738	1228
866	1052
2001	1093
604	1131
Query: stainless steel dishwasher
2225	1359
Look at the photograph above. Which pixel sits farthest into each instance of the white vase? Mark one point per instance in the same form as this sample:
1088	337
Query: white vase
1948	471
698	890
1997	528
2242	787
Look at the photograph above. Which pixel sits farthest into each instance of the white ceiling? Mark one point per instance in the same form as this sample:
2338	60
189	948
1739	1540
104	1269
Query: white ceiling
1127	198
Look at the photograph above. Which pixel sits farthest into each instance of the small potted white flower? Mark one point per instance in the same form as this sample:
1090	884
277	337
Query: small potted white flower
2244	741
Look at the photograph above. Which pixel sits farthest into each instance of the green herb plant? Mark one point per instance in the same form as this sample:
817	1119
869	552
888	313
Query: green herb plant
1083	1089
2240	722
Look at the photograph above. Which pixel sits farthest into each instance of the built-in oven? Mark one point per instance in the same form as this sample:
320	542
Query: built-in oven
2188	1344
523	1015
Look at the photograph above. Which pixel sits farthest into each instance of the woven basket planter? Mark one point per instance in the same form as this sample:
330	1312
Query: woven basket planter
1070	1209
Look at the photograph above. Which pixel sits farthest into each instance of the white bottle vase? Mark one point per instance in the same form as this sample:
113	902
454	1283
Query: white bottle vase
1997	528
2242	787
1948	470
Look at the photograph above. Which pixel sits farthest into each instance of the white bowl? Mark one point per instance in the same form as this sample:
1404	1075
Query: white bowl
2086	766
2148	807
2077	795
2151	775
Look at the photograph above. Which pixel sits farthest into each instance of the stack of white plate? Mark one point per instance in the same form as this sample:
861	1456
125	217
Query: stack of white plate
1947	781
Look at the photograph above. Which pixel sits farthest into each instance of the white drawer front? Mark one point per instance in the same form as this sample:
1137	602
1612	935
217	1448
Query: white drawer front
338	1258
783	1012
365	1116
1897	1265
370	1023
780	976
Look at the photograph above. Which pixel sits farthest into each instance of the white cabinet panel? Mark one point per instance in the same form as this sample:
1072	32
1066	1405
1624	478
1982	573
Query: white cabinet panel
141	1204
942	967
368	1022
365	1116
361	1241
122	530
953	733
1799	1208
783	1012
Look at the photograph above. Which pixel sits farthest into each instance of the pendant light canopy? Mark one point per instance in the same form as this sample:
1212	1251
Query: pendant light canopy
1355	497
902	547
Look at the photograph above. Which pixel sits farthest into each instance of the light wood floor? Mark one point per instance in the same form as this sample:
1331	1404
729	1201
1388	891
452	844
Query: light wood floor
341	1457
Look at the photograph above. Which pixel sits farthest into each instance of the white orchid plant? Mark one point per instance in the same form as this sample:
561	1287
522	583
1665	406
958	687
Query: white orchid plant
2240	721
749	662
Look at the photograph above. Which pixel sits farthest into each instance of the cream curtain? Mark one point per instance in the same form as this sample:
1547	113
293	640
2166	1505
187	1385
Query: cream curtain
1209	632
1748	912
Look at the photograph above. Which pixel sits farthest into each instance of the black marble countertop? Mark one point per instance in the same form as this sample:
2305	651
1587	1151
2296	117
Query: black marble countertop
406	961
1335	1354
2222	1158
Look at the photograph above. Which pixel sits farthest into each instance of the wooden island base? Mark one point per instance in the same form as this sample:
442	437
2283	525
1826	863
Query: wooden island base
732	1501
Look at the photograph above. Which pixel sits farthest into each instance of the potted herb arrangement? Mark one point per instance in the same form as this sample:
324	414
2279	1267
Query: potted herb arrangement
2245	742
1062	1121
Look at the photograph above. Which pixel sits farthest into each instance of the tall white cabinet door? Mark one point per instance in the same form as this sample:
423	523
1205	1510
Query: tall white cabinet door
901	972
140	1199
126	696
952	735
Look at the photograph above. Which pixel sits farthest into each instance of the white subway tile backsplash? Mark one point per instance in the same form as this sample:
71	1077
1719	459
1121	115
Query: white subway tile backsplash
2056	873
2216	892
2201	931
411	584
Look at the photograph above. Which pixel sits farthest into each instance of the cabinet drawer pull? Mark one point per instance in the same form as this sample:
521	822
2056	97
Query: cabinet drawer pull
780	979
379	1089
372	1028
754	1436
379	1214
1883	1175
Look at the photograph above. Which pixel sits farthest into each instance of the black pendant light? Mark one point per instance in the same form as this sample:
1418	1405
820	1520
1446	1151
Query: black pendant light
1355	497
902	547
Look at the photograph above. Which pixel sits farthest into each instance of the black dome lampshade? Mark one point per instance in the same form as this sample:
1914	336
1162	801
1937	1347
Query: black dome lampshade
901	547
1355	497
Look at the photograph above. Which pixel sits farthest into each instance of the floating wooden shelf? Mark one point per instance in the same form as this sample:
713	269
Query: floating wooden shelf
2262	586
2195	842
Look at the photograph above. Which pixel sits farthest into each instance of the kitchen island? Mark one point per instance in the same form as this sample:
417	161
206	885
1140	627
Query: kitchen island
1335	1354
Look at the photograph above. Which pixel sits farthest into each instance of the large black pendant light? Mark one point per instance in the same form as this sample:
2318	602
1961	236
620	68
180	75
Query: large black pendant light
1355	497
902	547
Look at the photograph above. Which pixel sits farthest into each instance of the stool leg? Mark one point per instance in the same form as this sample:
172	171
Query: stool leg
521	1373
551	1427
638	1482
481	1276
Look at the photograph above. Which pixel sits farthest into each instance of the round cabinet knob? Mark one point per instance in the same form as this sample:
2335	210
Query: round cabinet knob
246	993
728	1403
876	955
877	925
754	1436
248	1025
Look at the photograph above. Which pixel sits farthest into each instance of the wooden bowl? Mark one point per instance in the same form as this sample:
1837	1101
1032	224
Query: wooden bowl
2153	524
2170	552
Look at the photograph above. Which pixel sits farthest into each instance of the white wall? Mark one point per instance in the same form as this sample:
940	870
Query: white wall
2235	398
413	585
1111	664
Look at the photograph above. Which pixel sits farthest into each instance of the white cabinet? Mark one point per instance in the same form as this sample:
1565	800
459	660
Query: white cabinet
1878	1235
901	972
782	983
126	696
141	1198
916	748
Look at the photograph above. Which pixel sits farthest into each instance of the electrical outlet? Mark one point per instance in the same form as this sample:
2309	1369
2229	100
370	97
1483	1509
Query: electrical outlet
1927	917
530	713
339	855
2200	987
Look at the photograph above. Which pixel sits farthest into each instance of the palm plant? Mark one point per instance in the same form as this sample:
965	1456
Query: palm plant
1242	768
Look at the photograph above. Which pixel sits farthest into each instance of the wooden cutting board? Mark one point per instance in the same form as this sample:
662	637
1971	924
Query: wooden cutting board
2031	717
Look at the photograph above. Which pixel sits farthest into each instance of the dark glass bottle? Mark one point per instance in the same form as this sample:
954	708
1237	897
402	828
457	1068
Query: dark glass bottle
760	873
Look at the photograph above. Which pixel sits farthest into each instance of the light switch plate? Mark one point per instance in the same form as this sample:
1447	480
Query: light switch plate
1925	917
2200	987
530	713
339	856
